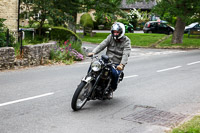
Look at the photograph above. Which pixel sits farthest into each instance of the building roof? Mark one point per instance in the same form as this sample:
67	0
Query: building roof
138	5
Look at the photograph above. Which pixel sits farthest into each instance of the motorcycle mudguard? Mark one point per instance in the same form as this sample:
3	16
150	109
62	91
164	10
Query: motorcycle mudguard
87	79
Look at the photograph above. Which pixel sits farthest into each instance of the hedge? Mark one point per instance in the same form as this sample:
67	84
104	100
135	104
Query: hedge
63	34
86	21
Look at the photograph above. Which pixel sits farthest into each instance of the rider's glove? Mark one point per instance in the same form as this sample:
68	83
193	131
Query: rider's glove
90	54
120	67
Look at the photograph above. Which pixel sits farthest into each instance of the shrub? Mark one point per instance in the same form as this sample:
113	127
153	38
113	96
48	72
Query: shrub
124	21
87	23
86	20
3	38
66	53
61	34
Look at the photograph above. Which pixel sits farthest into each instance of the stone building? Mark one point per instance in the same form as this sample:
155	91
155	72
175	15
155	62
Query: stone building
142	5
9	11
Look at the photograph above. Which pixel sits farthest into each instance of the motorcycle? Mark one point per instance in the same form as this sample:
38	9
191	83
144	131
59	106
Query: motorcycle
129	28
96	84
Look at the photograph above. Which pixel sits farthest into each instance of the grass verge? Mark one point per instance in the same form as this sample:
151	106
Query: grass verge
192	126
150	40
192	42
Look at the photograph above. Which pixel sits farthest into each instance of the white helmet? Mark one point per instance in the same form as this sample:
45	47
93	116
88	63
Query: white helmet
117	26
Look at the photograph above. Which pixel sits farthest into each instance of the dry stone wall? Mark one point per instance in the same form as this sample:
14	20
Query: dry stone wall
7	58
33	55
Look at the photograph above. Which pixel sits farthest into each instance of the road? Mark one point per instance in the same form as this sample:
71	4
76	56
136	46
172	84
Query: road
160	89
106	31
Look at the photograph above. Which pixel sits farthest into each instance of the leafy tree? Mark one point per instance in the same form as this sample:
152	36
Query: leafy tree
65	11
87	22
106	11
42	10
182	10
104	8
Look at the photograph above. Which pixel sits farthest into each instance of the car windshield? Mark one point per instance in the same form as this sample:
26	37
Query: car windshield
192	25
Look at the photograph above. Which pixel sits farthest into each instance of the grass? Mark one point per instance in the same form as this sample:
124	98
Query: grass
143	40
147	40
97	38
192	42
192	126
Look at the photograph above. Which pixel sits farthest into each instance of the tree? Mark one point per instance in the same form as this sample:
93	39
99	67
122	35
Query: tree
182	10
65	11
39	10
102	7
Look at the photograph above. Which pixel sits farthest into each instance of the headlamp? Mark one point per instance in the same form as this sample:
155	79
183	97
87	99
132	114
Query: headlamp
96	66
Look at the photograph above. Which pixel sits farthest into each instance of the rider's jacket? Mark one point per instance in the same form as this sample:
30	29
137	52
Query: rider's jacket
118	51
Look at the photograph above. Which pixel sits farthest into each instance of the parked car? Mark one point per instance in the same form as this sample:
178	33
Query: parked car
158	27
192	26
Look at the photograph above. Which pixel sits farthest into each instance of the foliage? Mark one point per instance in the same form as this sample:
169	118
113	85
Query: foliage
66	53
191	126
64	12
3	38
61	34
136	17
2	33
40	11
106	12
86	20
124	21
141	40
147	40
106	19
192	42
182	10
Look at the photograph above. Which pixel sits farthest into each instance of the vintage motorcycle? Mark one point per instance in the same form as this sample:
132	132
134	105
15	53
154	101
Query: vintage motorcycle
96	84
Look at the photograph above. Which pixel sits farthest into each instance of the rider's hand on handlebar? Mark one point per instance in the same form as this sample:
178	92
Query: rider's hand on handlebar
120	67
90	54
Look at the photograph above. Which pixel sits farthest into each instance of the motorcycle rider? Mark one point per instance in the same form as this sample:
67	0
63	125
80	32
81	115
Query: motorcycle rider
118	50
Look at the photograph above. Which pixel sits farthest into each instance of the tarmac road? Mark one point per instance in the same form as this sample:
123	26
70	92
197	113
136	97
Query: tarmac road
160	89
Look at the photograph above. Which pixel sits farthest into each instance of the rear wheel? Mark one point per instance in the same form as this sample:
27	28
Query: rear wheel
80	96
170	32
149	32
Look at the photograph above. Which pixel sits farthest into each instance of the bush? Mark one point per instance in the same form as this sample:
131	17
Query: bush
61	34
124	21
86	21
66	53
3	38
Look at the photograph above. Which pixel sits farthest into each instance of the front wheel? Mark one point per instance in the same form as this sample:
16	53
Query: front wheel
80	96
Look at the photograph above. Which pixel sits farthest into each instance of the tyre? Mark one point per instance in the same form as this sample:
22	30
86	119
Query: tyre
149	31
80	96
170	33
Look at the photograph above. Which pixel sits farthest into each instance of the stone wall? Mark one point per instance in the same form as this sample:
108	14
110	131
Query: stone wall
9	11
7	58
33	55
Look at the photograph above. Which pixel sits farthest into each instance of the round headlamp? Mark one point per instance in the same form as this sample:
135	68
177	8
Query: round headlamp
96	66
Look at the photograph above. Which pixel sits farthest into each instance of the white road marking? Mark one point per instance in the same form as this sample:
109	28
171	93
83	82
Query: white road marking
168	69
192	63
26	99
134	54
132	76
